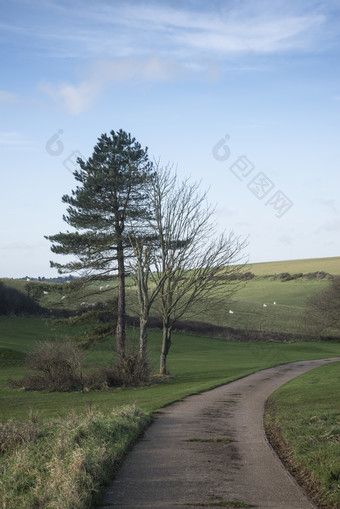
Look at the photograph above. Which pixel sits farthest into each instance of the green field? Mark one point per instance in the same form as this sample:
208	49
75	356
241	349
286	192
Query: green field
195	363
330	265
305	415
249	313
247	304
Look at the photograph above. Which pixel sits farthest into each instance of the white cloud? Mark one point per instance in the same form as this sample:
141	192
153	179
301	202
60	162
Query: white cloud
79	98
172	30
265	36
7	97
164	41
76	99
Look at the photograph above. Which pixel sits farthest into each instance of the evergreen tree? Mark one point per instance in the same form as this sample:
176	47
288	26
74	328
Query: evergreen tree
108	204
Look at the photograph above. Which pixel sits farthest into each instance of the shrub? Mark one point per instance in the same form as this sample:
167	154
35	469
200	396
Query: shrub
322	316
59	367
131	372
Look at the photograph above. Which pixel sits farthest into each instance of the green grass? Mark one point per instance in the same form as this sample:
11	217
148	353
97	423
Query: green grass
306	412
330	265
249	313
195	363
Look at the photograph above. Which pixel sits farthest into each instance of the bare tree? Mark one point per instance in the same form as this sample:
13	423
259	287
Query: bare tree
181	262
322	316
140	267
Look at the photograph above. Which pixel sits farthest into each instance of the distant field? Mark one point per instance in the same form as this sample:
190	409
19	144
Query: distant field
330	265
284	316
248	307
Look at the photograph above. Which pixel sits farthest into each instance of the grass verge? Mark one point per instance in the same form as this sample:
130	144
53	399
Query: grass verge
302	422
63	463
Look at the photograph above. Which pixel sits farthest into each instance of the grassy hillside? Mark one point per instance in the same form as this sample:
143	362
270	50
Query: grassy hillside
248	307
330	265
284	316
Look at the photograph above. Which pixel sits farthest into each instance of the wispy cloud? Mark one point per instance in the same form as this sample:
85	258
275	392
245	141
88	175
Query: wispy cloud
172	30
7	97
80	97
13	140
158	41
234	31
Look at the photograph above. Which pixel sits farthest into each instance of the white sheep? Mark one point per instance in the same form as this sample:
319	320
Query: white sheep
107	286
264	305
101	288
274	303
45	293
231	312
63	297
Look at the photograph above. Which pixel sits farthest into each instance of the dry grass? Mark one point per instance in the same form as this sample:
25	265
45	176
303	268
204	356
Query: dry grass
63	463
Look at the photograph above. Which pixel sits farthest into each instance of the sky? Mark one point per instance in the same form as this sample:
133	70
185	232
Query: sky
240	95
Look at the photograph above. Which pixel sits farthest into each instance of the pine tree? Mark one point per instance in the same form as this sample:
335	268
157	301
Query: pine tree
108	204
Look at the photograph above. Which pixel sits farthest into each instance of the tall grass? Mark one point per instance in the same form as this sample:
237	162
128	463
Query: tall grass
63	463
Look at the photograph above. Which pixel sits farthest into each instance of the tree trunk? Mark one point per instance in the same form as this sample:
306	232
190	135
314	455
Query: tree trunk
143	336
121	317
166	343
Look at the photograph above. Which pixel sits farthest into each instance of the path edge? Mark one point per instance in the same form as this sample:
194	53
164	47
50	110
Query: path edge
284	454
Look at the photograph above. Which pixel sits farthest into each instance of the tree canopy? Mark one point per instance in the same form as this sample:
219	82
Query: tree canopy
108	202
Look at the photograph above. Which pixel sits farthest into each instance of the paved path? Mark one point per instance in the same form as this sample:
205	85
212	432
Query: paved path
167	469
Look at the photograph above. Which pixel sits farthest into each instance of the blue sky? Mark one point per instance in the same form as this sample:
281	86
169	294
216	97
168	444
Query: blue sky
241	95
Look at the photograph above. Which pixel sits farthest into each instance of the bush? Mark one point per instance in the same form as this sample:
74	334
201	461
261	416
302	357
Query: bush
59	367
131	372
322	316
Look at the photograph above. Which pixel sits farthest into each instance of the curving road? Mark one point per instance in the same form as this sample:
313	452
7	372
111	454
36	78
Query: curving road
211	448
